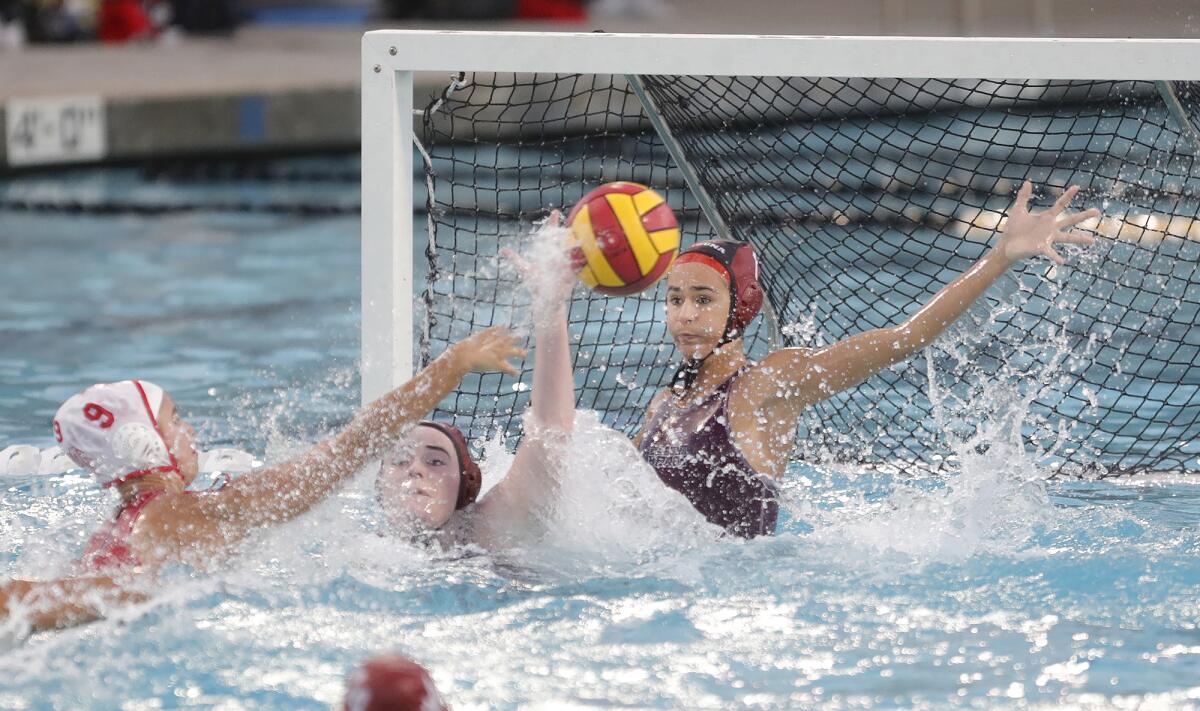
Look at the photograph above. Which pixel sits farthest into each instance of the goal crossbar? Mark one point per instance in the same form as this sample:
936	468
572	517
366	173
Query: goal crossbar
727	55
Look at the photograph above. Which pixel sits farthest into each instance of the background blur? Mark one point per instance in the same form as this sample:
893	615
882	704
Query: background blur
76	20
198	77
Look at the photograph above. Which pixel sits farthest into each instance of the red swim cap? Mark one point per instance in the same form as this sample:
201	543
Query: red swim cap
392	683
737	262
470	478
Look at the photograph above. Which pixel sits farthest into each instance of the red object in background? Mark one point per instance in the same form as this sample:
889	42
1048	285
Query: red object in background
392	683
551	10
123	20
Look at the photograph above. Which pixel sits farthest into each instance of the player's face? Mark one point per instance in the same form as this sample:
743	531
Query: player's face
180	438
697	308
418	482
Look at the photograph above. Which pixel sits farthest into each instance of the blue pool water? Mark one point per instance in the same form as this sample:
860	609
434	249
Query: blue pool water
988	588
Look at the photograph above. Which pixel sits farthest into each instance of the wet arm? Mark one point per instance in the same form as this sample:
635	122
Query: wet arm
792	379
553	383
56	604
283	492
798	377
534	471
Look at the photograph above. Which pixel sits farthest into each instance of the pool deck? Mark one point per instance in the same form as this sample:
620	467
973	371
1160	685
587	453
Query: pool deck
297	88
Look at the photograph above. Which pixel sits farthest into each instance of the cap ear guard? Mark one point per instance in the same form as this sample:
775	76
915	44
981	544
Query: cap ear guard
138	445
750	293
472	482
740	263
111	429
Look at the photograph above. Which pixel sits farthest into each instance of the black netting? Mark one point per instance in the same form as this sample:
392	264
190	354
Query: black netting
863	198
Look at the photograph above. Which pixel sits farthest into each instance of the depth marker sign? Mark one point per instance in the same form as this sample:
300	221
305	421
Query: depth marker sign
55	130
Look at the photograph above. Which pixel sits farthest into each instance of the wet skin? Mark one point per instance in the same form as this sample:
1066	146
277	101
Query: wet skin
418	483
180	438
698	303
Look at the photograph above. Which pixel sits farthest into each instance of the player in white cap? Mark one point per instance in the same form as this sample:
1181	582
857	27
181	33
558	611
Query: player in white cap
130	437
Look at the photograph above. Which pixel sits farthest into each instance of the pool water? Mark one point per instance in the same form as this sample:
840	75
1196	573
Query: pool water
988	588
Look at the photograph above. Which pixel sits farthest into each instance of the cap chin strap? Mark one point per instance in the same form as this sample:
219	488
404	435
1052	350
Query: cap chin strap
689	371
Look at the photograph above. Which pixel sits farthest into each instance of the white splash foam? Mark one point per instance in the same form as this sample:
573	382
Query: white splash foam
995	502
611	508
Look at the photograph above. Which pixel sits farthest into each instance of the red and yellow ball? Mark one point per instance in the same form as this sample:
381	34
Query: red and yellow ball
625	236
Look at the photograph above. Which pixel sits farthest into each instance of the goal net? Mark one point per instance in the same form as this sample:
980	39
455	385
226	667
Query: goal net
863	196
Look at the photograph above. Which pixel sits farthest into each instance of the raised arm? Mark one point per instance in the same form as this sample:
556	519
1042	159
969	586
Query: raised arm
553	396
534	471
285	491
791	379
55	604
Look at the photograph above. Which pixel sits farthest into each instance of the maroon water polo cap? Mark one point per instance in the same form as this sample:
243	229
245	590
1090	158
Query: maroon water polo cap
470	477
738	264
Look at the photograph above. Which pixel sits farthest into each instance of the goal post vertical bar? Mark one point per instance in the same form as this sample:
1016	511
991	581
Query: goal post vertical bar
387	222
707	205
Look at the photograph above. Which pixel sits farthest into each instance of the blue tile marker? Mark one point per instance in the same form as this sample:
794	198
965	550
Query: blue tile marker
252	119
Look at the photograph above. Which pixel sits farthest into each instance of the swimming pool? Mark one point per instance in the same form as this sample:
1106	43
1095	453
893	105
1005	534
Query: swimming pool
989	588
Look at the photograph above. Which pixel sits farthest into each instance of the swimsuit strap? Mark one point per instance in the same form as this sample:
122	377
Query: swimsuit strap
727	385
109	547
135	505
128	513
724	385
722	388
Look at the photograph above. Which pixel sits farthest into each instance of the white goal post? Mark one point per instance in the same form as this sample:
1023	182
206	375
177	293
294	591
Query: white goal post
390	58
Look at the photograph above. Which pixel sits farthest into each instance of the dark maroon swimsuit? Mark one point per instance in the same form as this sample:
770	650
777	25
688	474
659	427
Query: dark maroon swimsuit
692	450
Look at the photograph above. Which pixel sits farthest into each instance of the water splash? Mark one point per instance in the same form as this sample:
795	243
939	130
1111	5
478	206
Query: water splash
613	504
611	512
992	498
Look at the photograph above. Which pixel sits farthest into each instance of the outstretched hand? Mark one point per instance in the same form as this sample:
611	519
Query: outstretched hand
1031	233
489	350
552	280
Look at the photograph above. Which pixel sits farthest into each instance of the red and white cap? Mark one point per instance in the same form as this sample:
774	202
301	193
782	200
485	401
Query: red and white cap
111	429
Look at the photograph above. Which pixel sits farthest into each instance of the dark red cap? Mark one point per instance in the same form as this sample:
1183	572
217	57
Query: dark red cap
738	263
391	683
470	477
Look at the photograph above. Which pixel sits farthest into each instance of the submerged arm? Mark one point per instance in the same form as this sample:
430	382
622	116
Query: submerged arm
285	491
55	604
793	378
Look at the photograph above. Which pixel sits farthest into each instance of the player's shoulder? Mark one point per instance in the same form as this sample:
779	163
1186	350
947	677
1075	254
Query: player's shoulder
657	400
762	377
166	510
780	361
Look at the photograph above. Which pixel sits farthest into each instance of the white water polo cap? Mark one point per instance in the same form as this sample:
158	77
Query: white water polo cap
111	429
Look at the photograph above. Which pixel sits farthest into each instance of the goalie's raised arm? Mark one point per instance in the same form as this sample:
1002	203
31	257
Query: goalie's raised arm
721	433
791	379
